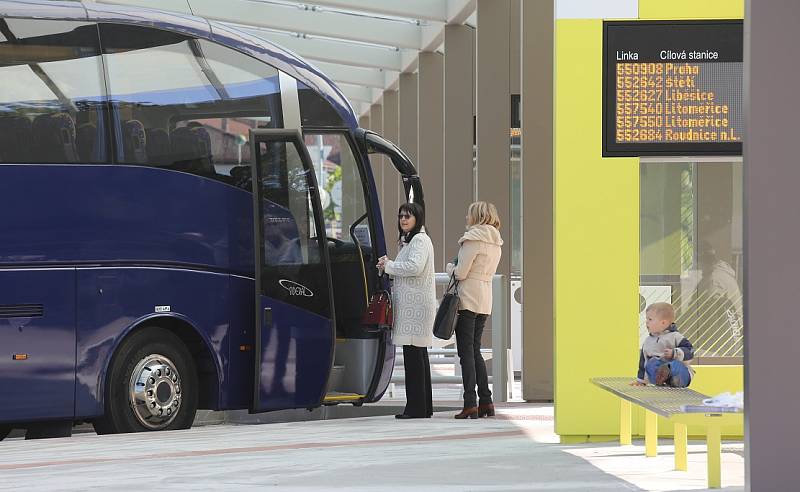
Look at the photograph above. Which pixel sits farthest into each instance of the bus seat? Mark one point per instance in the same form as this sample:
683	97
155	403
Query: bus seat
54	138
184	148
85	138
15	139
191	149
157	146
242	177
204	139
134	142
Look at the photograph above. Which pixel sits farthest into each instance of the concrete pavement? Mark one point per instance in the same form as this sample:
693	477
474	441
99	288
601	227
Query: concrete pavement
517	450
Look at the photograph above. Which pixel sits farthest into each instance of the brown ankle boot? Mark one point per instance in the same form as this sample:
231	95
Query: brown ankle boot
468	413
486	410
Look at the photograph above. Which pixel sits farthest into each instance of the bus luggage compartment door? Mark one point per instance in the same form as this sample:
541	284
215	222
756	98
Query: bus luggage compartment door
295	331
37	344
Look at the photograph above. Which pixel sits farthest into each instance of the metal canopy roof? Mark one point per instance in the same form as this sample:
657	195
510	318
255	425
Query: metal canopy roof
363	45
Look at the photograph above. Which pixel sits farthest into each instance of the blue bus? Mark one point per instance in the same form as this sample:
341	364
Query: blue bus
189	220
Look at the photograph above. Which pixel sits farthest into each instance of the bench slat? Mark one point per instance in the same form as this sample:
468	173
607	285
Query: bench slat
663	400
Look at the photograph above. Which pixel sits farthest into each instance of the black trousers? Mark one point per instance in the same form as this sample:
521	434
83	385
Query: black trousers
419	396
469	329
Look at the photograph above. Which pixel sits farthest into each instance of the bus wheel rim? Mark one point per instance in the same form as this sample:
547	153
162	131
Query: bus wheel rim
155	392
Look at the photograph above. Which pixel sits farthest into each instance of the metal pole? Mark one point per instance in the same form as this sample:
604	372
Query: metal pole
500	357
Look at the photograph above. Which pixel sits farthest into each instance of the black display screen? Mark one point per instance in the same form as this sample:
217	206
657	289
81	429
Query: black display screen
672	88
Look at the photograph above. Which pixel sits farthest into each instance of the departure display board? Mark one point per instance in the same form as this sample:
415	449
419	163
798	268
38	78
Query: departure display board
672	88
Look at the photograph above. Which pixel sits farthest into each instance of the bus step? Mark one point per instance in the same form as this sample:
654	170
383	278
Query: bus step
336	397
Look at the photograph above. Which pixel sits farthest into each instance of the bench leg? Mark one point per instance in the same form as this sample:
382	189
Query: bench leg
681	438
650	433
624	422
714	451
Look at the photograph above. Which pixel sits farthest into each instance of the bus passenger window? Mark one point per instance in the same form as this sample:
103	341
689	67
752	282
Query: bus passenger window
187	104
52	101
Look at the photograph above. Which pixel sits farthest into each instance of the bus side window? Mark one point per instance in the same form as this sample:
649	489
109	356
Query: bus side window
52	101
187	104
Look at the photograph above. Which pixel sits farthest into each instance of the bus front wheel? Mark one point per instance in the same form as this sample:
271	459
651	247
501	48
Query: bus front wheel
151	385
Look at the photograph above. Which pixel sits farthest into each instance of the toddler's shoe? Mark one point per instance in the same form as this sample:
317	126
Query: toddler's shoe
663	375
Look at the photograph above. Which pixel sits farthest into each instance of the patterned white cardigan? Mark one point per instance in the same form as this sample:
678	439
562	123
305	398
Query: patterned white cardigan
413	293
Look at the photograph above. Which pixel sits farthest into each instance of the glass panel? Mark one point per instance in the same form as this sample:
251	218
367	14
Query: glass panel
187	104
289	231
341	190
293	268
315	110
52	101
691	250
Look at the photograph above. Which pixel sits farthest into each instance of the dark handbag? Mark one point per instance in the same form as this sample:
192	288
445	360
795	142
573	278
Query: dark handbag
445	322
378	315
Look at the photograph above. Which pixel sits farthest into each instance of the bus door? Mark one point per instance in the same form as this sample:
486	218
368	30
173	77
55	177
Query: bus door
295	329
372	143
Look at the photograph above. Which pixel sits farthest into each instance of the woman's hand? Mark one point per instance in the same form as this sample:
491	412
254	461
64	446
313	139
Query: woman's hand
381	262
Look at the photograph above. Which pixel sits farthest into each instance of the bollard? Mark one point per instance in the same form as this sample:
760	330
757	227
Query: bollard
501	383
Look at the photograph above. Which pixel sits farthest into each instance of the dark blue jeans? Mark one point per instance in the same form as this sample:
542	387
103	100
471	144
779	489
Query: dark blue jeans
681	376
469	329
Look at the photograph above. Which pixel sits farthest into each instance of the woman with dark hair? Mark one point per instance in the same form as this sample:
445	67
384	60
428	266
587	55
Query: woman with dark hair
414	306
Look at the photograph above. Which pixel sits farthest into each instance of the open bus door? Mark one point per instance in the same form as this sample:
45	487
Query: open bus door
372	143
295	328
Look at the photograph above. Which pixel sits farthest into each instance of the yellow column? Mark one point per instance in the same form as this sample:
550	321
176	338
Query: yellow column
624	422
650	434
681	436
714	451
594	198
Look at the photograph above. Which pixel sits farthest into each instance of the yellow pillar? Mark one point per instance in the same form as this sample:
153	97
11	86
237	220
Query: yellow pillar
650	434
595	197
680	447
624	422
714	451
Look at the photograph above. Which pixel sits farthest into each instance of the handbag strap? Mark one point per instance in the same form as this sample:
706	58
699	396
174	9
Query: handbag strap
452	286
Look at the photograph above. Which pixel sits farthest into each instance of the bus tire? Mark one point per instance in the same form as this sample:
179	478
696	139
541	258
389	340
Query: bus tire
151	385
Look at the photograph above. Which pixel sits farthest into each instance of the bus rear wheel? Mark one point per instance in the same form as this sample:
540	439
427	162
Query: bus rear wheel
151	385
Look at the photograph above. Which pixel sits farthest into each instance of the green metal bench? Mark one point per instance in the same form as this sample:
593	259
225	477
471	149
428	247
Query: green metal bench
667	402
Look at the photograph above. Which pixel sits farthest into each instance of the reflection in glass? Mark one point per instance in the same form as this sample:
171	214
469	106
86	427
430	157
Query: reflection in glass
691	250
187	104
289	229
52	101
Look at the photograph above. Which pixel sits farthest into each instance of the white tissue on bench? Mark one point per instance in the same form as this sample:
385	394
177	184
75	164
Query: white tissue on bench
726	399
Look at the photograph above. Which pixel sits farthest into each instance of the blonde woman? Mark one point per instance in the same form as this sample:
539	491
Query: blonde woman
478	256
